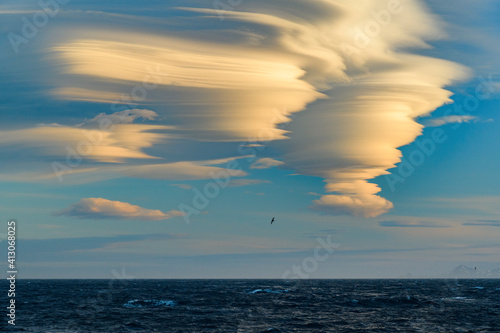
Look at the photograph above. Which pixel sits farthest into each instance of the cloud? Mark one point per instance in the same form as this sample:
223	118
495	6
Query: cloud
481	204
353	135
246	182
86	95
183	186
485	223
449	120
86	248
232	95
99	208
185	170
112	145
265	163
412	224
360	205
120	117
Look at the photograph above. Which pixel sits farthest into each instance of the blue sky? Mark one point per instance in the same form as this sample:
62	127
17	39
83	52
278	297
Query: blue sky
371	126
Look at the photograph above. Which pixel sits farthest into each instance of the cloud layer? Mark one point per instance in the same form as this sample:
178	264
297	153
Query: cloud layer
111	145
99	208
484	223
348	69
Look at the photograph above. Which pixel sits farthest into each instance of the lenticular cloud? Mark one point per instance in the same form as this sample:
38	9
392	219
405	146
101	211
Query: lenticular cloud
347	66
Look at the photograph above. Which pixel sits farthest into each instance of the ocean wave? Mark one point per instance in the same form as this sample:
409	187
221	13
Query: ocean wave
384	301
455	298
136	303
269	291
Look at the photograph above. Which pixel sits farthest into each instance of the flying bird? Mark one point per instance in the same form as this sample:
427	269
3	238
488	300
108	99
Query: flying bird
272	220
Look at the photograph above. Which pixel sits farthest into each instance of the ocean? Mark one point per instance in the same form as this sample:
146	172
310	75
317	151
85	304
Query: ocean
255	306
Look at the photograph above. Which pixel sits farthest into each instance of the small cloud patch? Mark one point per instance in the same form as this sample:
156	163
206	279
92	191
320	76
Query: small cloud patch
450	120
265	163
183	186
99	208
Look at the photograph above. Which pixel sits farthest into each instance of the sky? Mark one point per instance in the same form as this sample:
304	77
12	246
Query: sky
160	138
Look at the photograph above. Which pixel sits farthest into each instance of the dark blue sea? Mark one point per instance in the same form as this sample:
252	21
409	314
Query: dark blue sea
255	306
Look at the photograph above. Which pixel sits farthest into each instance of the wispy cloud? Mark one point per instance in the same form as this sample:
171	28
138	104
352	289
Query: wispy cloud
58	246
185	170
482	204
449	120
99	208
412	224
485	223
125	141
120	117
178	171
265	163
246	182
183	186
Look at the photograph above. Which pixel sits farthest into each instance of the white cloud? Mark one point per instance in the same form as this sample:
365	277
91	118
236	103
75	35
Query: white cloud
265	163
353	136
99	208
113	145
232	94
359	205
120	117
449	120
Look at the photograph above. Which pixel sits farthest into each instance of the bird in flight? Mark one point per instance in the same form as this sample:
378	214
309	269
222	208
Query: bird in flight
272	220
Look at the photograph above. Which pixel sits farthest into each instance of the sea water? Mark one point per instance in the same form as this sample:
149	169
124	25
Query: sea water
256	306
